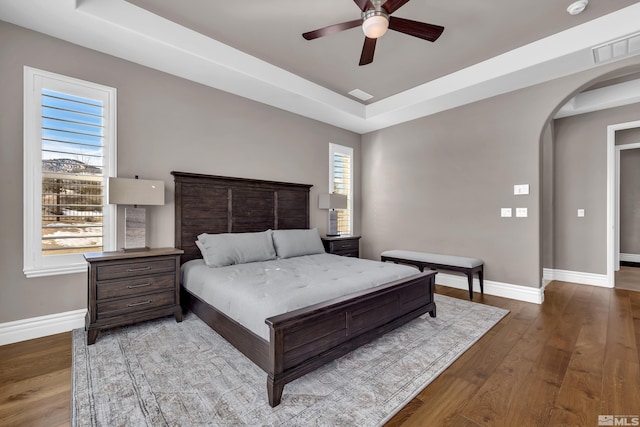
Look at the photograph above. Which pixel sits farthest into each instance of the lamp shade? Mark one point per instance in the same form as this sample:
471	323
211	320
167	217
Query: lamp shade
332	201
128	191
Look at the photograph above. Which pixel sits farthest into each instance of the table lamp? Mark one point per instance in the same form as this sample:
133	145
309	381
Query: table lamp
332	202
135	192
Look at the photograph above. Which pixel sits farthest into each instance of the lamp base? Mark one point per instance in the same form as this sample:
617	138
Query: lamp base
332	230
135	229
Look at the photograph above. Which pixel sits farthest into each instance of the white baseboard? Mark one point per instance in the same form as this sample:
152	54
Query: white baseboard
592	279
630	257
506	290
36	327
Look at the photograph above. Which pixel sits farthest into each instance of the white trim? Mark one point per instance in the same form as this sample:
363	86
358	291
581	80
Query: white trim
592	279
34	263
547	276
602	98
36	327
506	290
630	257
613	233
55	271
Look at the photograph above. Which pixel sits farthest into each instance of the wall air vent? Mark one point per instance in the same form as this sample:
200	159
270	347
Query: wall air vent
617	49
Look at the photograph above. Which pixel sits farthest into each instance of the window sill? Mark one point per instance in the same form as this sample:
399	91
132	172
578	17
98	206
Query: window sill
54	271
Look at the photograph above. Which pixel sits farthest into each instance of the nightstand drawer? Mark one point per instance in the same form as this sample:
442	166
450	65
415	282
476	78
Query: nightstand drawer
344	245
135	304
131	269
135	286
348	252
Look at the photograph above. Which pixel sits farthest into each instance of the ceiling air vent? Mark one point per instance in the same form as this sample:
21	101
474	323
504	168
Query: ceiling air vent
360	94
617	49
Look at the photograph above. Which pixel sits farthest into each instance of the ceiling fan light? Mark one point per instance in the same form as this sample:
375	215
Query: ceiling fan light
375	26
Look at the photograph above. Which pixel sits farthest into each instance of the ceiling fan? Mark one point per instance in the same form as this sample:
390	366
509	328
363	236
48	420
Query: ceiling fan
375	21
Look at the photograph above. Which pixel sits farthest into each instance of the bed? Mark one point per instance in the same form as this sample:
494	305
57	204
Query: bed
301	340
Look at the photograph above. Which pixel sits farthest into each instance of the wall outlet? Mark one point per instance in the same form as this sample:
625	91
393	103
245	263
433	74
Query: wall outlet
580	213
505	212
520	189
521	212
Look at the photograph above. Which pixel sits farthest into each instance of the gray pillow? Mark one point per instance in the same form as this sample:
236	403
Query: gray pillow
291	243
219	250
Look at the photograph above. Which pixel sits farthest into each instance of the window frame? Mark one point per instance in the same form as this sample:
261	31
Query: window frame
347	151
35	263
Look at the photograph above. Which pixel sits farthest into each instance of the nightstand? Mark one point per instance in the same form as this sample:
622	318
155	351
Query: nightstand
129	287
342	245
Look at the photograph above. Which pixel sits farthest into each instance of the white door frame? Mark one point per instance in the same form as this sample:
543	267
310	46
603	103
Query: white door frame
613	197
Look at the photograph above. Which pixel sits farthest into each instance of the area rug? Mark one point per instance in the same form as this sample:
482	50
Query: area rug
163	373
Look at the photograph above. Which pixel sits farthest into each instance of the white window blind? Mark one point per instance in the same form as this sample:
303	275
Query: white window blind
72	173
341	176
69	153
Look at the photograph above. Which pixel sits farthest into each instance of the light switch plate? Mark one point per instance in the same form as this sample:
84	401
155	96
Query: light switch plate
505	212
580	213
520	189
521	212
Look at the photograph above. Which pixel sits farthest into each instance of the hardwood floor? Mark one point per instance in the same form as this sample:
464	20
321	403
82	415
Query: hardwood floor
561	363
35	382
628	277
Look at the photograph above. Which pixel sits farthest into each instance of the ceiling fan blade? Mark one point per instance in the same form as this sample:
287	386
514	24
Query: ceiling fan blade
421	30
392	5
332	29
364	4
367	51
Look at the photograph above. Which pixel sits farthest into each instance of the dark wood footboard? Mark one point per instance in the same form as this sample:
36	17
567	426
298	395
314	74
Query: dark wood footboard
306	339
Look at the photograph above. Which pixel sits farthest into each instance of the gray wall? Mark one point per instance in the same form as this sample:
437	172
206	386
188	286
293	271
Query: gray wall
580	173
630	201
438	183
628	136
164	124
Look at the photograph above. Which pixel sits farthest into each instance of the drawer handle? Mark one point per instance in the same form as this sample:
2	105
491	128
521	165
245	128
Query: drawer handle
131	270
134	304
142	285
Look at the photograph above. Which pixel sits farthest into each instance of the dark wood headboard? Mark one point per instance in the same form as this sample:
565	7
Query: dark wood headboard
218	204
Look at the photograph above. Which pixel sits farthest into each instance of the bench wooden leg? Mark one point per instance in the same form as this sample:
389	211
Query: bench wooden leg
480	277
470	280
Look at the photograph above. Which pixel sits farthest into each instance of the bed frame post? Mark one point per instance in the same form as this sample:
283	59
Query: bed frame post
275	383
274	391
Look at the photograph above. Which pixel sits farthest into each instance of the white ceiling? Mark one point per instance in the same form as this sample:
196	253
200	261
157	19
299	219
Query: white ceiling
254	48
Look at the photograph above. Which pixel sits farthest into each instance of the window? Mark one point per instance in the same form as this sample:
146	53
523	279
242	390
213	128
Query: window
340	181
69	153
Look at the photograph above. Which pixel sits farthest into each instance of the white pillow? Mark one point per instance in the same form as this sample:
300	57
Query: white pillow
291	243
219	250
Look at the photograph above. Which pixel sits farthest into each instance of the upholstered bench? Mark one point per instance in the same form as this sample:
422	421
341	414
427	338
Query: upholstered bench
469	266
